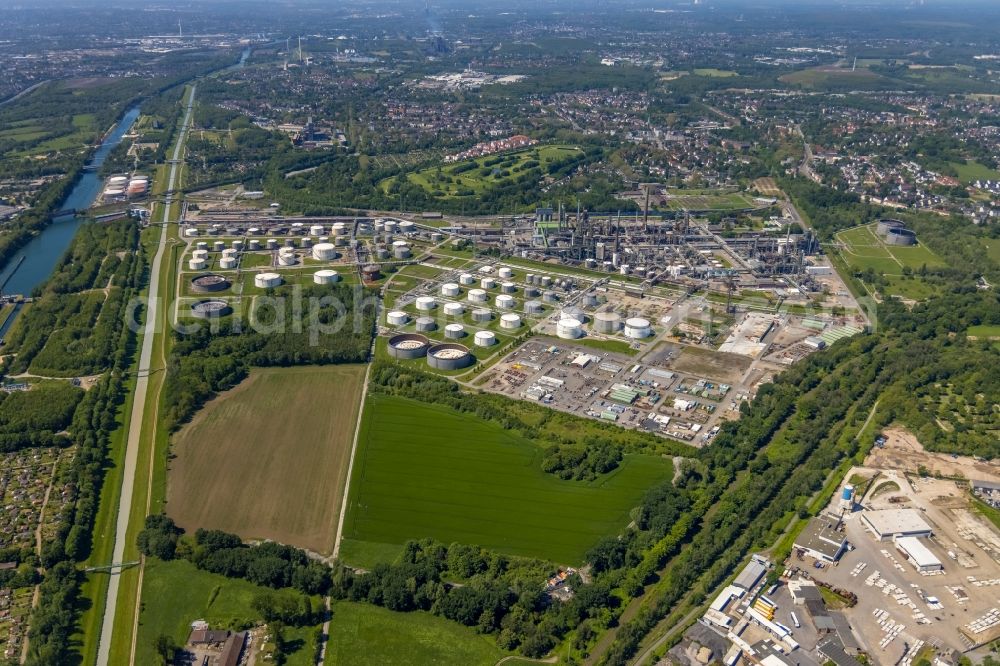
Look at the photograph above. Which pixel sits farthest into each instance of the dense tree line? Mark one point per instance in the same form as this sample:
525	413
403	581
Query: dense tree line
37	417
581	462
203	362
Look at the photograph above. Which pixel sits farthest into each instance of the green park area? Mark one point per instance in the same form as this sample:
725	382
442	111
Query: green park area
471	177
971	171
424	470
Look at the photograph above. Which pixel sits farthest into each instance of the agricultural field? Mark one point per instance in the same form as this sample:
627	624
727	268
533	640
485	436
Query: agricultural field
823	78
363	635
415	476
972	171
702	200
184	593
476	176
714	73
268	459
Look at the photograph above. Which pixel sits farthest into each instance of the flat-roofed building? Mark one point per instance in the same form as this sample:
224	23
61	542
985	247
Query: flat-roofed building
889	524
918	554
822	540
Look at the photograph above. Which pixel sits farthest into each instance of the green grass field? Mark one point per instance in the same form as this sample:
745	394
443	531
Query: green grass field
714	73
972	171
424	470
457	179
864	249
184	593
697	200
363	635
828	78
984	331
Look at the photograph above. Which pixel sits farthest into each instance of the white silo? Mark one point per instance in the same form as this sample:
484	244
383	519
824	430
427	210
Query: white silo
326	276
406	227
569	329
287	258
196	264
450	289
339	228
426	303
316	230
607	322
510	320
485	339
454	309
324	251
505	273
481	315
218	246
227	263
637	328
477	296
397	318
488	283
254	244
454	331
505	302
467	279
401	251
266	280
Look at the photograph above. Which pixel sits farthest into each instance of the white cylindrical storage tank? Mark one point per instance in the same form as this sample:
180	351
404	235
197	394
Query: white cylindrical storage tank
426	303
202	245
573	312
485	339
254	244
450	289
488	283
390	226
200	254
533	307
196	264
218	246
324	252
510	320
237	245
607	322
253	231
505	302
467	278
316	230
229	252
326	277
454	309
481	315
266	280
454	331
505	273
401	251
546	281
190	231
508	287
637	328
532	292
227	263
569	329
550	297
339	228
272	243
286	259
424	324
477	296
406	227
306	242
117	180
397	318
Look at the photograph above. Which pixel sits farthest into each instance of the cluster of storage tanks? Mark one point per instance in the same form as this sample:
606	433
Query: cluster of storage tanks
442	355
123	187
894	232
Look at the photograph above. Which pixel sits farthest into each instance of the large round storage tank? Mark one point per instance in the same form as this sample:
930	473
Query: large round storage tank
401	251
408	346
324	251
485	338
287	259
488	283
550	297
218	246
209	282
573	312
254	244
426	303
607	322
510	320
454	309
449	356
508	287
450	289
505	273
454	331
339	228
397	318
390	226
533	307
885	224
900	236
227	263
117	180
211	309
200	254
196	264
272	243
371	272
590	300
477	296
546	281
467	278
505	302
306	242
326	276
637	328
406	227
532	292
481	315
569	329
425	324
266	280
317	230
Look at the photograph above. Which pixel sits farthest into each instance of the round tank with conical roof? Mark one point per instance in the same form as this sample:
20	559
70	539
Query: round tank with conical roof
510	320
607	322
485	338
426	303
397	318
406	227
326	276
637	328
569	329
267	280
324	251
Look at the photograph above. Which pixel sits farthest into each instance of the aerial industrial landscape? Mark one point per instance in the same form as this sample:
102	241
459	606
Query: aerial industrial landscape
475	333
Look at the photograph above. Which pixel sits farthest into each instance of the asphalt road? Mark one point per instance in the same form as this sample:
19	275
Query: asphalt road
139	407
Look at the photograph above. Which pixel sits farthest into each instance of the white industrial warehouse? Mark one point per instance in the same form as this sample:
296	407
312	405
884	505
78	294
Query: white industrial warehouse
889	524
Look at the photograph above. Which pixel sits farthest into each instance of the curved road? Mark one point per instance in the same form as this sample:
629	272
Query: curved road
139	403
